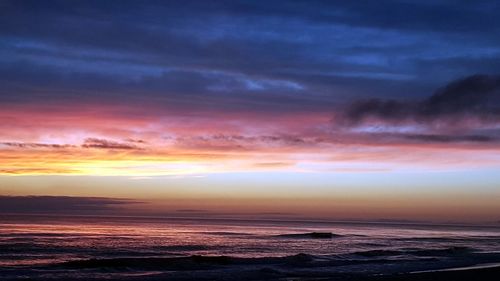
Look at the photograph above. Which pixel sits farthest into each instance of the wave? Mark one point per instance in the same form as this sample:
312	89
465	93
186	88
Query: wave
450	251
34	234
193	262
153	260
300	266
378	253
198	262
313	235
28	247
450	239
225	233
190	247
179	263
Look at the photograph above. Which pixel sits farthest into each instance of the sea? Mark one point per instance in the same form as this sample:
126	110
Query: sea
57	247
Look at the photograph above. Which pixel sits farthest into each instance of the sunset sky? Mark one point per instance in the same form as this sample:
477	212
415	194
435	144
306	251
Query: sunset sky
360	110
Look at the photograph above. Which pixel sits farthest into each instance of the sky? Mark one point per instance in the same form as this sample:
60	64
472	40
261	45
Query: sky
362	110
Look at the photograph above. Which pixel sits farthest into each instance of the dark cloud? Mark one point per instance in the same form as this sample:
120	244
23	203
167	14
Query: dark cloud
107	144
386	109
246	142
200	211
476	96
241	55
61	204
36	145
169	90
449	138
136	141
464	111
128	144
436	16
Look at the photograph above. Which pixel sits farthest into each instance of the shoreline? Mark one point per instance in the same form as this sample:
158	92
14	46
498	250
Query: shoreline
484	272
461	268
457	274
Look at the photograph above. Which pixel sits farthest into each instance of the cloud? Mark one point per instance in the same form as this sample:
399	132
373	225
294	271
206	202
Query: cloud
464	111
239	142
36	145
200	211
61	204
128	144
285	55
449	138
107	144
39	171
476	97
270	165
136	141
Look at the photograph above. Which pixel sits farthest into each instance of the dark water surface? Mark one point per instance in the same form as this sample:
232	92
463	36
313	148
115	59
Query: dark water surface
88	248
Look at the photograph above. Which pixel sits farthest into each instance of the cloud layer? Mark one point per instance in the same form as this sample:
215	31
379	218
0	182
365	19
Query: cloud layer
158	88
239	56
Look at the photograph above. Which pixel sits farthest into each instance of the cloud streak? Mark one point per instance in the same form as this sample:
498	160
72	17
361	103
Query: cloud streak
449	138
90	143
62	204
107	144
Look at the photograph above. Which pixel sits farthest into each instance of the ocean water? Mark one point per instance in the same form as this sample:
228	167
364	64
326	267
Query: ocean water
120	248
